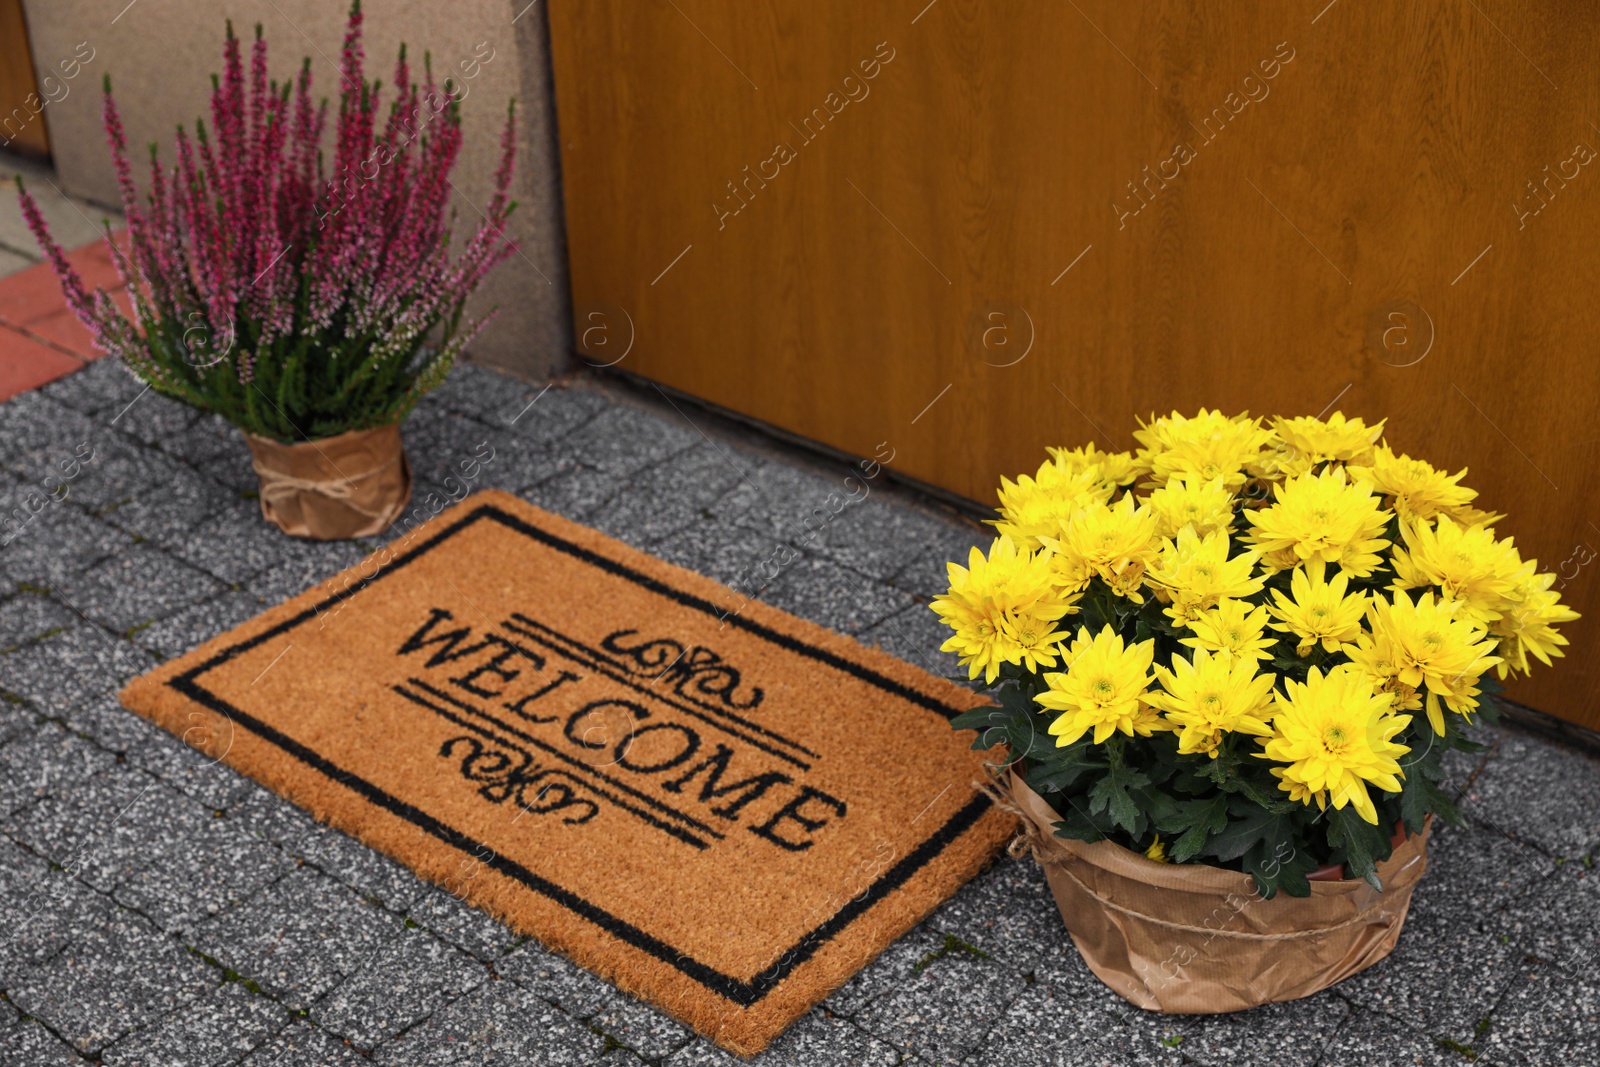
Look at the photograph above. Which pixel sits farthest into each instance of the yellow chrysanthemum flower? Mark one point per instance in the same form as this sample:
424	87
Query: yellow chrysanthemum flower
1378	656
1412	487
1430	645
1213	696
1039	507
1466	562
1334	736
1194	574
1209	445
1528	626
1157	851
1003	609
1308	441
1320	611
1321	516
1102	690
1206	506
1232	628
1115	541
1116	468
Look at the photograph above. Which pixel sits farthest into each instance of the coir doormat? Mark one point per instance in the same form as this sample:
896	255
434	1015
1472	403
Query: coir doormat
716	806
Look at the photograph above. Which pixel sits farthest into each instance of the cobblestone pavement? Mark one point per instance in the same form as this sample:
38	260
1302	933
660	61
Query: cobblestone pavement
156	909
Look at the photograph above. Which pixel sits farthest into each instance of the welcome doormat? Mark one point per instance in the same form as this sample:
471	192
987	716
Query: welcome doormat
720	808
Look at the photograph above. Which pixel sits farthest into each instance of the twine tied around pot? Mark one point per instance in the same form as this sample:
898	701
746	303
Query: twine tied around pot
351	485
278	487
1058	859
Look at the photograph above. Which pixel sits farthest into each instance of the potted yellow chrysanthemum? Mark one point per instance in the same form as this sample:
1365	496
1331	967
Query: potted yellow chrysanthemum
1226	669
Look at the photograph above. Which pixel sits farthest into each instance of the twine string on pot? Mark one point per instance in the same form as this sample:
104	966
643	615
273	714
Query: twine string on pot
278	487
1031	837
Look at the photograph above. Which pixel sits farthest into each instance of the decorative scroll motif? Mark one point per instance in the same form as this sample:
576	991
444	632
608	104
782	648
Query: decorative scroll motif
697	673
508	775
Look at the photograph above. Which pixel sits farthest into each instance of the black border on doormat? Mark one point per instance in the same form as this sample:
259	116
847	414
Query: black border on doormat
740	991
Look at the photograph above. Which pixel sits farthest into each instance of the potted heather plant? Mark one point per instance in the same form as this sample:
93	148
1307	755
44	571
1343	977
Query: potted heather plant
309	300
1225	672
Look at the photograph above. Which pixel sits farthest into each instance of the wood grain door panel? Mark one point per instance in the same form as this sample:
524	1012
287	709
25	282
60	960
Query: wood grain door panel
1038	221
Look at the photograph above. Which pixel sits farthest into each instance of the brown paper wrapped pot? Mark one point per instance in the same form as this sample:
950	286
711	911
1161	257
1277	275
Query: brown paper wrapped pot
1191	938
351	485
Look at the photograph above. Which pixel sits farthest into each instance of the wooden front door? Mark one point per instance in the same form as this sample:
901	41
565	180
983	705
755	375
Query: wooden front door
22	126
972	229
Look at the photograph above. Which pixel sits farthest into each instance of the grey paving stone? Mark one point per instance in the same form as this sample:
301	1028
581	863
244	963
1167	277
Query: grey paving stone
237	543
72	668
8	1014
303	1045
368	872
32	424
1473	873
299	937
58	544
1540	792
834	596
154	419
296	574
29	616
77	825
184	863
473	389
661	500
43	761
1069	1019
621	439
108	724
42	909
1549	1016
640	1027
944	1006
817	1039
576	991
499	1022
1462	767
114	468
405	981
167	511
740	558
928	573
891	968
1290	1034
546	415
455	455
31	1045
137	586
16	718
217	1028
777	498
1559	920
883	537
215	448
1368	1038
118	975
232	468
105	386
205	778
193	626
574	491
1407	985
915	635
460	924
1008	912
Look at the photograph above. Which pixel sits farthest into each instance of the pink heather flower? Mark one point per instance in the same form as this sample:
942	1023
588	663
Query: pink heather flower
251	236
